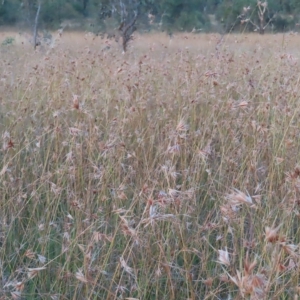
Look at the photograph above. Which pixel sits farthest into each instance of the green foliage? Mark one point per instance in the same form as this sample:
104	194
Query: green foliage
182	15
228	11
9	12
51	12
188	21
8	41
284	22
169	14
282	15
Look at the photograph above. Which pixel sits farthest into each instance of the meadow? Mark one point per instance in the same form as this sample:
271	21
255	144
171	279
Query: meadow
169	172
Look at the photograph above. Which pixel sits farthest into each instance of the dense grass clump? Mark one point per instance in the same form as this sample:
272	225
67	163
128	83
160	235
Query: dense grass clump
170	172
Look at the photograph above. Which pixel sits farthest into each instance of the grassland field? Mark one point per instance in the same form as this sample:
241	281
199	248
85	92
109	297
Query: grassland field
169	172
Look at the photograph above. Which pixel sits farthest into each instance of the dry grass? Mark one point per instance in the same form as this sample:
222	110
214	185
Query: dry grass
170	172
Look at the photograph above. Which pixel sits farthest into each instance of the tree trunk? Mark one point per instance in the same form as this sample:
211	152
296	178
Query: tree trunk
36	21
261	26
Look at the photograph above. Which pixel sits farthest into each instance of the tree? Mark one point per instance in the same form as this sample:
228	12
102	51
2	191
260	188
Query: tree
122	12
260	23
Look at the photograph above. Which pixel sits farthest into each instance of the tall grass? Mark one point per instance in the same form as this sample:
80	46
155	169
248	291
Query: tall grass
171	172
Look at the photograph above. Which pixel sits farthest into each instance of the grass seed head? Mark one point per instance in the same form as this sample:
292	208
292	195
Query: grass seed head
223	257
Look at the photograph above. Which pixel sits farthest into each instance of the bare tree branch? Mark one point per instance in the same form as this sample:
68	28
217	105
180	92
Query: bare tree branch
261	13
35	28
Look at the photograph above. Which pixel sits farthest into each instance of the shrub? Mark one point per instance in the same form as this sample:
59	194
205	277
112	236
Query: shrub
8	41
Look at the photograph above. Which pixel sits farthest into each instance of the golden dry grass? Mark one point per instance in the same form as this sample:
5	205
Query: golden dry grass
169	172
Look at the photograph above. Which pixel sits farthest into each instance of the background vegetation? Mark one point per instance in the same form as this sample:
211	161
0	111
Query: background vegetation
173	15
